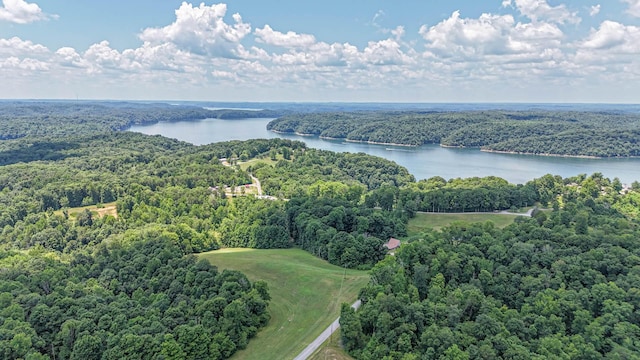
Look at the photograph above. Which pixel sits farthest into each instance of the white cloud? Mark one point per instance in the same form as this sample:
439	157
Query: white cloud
594	10
385	52
200	53
634	7
377	16
201	30
102	55
335	55
27	64
224	74
489	35
22	12
540	10
291	39
163	57
148	58
615	37
69	57
467	36
18	47
398	32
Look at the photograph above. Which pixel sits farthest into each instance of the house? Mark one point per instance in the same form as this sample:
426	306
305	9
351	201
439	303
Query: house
392	245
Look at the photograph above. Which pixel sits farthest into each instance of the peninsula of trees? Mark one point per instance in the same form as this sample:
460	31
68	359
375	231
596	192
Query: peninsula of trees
566	133
55	119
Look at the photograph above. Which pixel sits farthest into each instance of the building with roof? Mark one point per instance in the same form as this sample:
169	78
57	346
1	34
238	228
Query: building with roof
392	245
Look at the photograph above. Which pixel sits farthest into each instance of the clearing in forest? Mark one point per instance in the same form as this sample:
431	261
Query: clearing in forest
99	210
436	221
306	294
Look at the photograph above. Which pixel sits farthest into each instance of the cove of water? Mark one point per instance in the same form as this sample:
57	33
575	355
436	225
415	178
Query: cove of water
423	162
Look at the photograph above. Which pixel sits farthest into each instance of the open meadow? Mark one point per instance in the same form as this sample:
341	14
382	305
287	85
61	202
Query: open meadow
99	210
436	221
306	296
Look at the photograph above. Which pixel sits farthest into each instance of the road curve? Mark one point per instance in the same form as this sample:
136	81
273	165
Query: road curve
315	344
257	182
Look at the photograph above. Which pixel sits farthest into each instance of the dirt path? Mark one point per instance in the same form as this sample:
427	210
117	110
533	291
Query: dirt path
309	350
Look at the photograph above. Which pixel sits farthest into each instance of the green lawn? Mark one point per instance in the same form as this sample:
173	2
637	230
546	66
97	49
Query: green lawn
331	350
102	210
244	165
423	221
306	296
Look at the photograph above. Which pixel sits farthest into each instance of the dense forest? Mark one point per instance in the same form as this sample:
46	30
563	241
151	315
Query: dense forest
98	228
137	299
55	119
571	133
563	284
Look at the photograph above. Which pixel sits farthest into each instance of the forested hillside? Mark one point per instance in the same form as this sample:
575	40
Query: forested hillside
97	228
55	119
86	286
136	299
78	283
563	284
572	133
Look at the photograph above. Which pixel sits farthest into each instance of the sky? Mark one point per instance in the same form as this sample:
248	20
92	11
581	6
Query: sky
525	51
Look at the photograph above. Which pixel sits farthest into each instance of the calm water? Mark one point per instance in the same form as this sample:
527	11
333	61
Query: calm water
423	162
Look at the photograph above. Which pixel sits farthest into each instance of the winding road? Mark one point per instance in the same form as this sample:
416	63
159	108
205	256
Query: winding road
257	182
323	337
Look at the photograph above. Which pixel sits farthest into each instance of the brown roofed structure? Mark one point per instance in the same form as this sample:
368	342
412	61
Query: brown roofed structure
392	244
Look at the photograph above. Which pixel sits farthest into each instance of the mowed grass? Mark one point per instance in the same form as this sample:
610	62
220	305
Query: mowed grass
422	221
266	160
306	296
100	211
331	350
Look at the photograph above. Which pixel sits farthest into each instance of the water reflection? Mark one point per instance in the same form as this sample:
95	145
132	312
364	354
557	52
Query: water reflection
423	162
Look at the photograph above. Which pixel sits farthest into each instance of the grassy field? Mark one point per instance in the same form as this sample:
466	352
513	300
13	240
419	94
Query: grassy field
437	221
306	296
103	210
331	350
266	160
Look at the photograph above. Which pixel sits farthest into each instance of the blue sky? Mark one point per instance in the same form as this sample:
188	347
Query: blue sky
357	50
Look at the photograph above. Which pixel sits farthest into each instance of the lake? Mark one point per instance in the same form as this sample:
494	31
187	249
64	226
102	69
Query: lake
423	162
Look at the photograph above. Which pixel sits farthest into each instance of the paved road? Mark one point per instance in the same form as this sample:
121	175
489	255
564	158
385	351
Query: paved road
503	212
323	337
506	212
257	182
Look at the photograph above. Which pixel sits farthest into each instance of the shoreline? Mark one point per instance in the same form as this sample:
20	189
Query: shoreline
454	146
379	143
548	154
457	147
342	139
292	133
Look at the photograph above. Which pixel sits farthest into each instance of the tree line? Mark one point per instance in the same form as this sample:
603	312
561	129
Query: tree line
563	284
20	119
77	284
141	299
573	133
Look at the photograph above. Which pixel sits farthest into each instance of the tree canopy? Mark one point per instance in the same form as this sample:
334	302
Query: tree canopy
563	284
572	133
98	228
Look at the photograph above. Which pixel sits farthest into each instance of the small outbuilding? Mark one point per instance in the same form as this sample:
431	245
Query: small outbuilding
392	245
